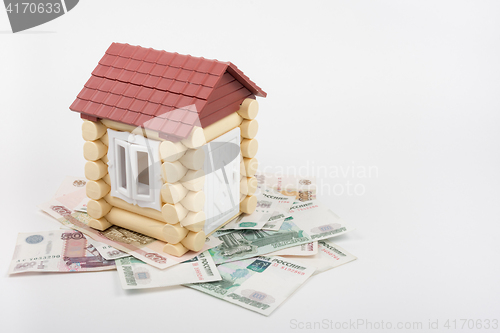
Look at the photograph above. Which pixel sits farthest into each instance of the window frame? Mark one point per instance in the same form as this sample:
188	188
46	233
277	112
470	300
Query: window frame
132	145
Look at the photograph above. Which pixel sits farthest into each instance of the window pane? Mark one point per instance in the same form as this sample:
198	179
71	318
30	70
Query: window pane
122	165
143	169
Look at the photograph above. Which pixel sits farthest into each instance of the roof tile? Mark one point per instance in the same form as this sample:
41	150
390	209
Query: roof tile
103	111
197	78
132	90
183	75
121	62
170	126
205	66
204	92
171	72
150	108
100	96
100	70
185	102
138	78
190	118
157	96
140	53
107	85
119	88
156	123
124	102
113	73
177	87
218	69
163	110
152	56
158	70
165	58
142	119
133	65
94	82
151	81
178	60
145	67
130	117
176	115
192	63
144	93
126	76
164	84
137	105
115	48
210	80
170	99
112	100
91	107
86	94
183	130
108	60
191	89
78	105
127	51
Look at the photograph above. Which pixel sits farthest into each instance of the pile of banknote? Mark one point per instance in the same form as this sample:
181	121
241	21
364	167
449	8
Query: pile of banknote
255	261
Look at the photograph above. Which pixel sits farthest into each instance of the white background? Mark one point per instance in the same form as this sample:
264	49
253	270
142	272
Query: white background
409	88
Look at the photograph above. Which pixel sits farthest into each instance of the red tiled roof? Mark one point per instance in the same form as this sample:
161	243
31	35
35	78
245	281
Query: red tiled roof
162	91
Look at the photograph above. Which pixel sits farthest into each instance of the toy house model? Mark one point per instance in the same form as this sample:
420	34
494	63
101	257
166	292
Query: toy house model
170	144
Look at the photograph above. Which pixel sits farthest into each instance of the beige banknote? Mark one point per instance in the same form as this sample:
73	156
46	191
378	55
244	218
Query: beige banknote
308	249
56	251
329	256
303	188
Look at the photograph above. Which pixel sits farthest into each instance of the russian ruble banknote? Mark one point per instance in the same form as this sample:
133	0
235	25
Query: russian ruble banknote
145	248
329	256
56	251
308	249
136	274
311	221
259	284
272	209
108	252
303	188
72	193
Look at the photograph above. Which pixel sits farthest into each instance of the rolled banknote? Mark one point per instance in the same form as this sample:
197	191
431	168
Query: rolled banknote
308	223
271	207
136	274
56	251
303	188
317	220
108	252
308	249
329	256
259	284
138	245
72	193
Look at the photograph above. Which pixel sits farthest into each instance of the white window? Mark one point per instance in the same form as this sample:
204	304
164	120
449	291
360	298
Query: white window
222	179
134	169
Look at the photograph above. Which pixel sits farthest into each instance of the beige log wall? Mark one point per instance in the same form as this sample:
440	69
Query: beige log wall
181	219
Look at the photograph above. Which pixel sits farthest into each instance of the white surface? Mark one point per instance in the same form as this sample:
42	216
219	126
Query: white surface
410	88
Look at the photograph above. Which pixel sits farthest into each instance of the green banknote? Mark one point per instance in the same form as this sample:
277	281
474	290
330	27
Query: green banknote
310	221
259	284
